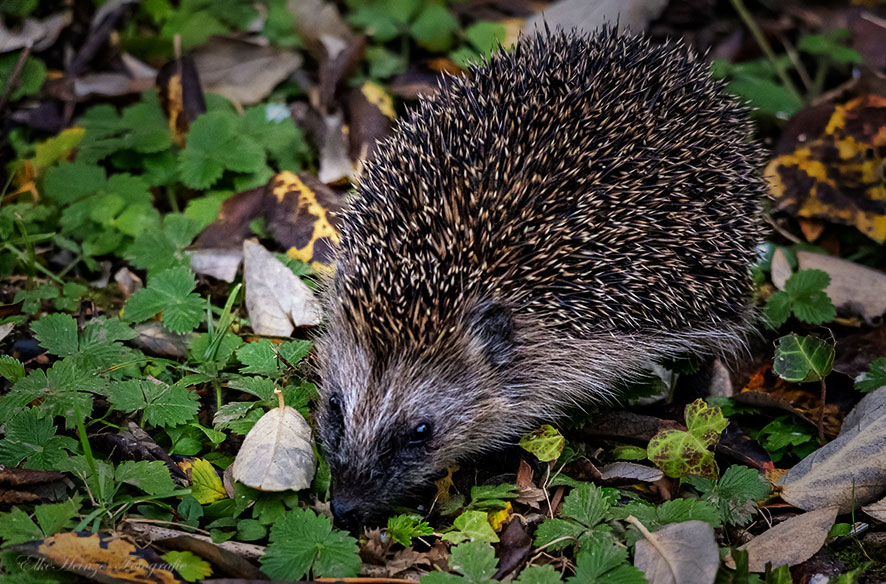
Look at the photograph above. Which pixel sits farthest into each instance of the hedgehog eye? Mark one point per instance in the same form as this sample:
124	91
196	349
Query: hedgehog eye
420	434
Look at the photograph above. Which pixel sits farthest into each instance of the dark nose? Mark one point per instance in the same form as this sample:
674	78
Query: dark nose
345	514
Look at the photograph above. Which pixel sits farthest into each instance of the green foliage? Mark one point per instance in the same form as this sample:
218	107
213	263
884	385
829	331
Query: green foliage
402	528
804	297
188	565
733	494
216	143
303	543
33	439
673	511
782	438
161	404
546	443
474	560
482	37
141	128
492	497
679	453
18	527
30	79
158	249
605	562
583	509
871	380
170	292
759	84
831	45
803	359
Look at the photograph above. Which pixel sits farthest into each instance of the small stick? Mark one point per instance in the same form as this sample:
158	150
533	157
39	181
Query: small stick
821	414
16	73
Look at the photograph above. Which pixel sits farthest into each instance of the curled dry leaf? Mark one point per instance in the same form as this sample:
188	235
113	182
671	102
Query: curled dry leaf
276	300
790	542
277	454
678	553
850	470
622	472
876	510
854	288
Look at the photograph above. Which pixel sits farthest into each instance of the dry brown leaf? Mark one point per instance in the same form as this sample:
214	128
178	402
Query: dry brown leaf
630	472
277	454
790	542
221	264
876	510
850	470
276	300
240	70
37	34
678	553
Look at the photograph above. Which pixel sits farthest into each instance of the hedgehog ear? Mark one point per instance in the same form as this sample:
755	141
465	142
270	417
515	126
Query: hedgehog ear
491	325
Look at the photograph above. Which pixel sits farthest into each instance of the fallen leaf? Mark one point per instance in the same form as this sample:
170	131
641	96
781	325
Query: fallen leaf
242	71
181	96
302	213
513	548
678	553
546	443
620	472
220	263
277	454
849	471
276	300
129	283
837	176
335	164
876	510
791	542
156	339
107	558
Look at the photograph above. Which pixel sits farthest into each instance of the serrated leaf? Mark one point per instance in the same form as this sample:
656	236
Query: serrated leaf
605	563
302	542
11	368
485	36
151	477
402	528
586	504
546	443
258	357
18	527
539	575
214	145
475	560
71	181
802	359
57	517
874	378
57	333
778	309
33	438
169	292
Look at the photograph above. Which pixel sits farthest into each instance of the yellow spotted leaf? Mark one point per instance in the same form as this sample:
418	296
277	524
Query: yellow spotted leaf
837	174
206	485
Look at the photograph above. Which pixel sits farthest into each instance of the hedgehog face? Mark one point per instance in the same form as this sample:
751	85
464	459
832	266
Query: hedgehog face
389	423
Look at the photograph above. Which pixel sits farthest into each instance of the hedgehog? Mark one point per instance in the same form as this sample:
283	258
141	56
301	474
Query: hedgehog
532	236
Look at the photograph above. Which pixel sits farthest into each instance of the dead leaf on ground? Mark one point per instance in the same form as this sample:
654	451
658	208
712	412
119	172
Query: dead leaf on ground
34	33
678	553
277	454
856	351
155	339
838	175
513	548
335	164
372	114
129	282
232	225
276	300
108	558
849	471
854	289
876	510
302	213
181	96
629	472
634	15
220	263
791	542
242	71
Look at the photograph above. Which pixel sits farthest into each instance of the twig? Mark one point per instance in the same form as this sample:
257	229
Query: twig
764	45
820	424
16	73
